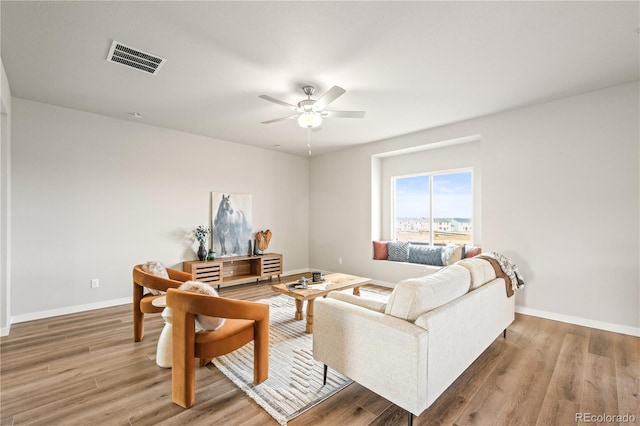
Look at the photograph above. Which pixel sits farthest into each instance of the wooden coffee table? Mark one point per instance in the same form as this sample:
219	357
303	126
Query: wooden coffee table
331	282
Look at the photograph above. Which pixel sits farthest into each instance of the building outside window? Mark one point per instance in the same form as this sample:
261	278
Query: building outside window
433	208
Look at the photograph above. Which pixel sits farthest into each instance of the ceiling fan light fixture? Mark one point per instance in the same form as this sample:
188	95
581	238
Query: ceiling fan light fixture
309	119
310	112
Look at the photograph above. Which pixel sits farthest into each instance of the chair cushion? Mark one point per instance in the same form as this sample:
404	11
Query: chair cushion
234	334
202	321
231	328
158	269
146	304
481	271
416	296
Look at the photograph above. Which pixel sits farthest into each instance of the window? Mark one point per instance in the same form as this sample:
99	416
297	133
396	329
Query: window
434	209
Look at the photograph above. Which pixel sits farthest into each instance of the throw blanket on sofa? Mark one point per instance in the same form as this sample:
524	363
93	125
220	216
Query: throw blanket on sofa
505	269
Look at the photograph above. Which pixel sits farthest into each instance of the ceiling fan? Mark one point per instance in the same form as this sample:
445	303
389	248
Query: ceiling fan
310	112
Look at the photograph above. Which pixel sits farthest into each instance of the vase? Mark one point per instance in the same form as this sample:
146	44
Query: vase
202	252
212	255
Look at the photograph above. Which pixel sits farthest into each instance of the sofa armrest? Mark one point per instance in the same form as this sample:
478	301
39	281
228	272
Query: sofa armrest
385	354
373	305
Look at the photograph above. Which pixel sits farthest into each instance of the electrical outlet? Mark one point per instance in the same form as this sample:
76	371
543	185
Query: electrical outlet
95	283
340	260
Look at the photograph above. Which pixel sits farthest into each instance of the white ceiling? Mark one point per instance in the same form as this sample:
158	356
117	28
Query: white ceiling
410	65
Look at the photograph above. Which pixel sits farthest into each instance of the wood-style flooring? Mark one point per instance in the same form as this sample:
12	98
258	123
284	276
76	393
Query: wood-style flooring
85	369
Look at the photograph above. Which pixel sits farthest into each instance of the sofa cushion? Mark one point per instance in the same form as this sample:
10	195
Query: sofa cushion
425	255
416	296
373	305
481	271
398	251
380	250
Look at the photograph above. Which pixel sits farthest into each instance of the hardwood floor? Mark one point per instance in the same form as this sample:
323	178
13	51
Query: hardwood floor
85	369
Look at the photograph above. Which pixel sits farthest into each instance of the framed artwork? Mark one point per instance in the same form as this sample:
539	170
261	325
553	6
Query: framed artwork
231	223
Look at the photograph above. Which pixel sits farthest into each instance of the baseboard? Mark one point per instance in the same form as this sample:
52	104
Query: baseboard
87	307
4	331
607	326
91	306
296	271
69	310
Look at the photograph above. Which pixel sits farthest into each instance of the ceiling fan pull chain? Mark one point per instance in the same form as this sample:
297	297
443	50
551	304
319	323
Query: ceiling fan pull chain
309	140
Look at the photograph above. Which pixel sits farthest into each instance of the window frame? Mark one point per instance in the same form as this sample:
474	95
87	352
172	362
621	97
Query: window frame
431	175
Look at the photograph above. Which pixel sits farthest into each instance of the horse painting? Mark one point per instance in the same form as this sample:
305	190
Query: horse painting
231	228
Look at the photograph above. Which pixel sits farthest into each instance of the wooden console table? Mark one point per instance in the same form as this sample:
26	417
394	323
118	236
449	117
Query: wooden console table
227	271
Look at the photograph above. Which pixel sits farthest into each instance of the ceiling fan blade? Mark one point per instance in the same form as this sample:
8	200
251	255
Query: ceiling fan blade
343	114
280	119
277	101
331	95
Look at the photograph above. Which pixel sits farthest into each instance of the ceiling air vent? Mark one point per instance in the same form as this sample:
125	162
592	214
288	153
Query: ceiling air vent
135	58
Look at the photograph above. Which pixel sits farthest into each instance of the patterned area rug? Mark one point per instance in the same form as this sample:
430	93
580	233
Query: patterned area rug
295	378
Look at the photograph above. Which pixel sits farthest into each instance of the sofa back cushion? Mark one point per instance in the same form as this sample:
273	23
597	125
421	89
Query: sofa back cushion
481	271
416	296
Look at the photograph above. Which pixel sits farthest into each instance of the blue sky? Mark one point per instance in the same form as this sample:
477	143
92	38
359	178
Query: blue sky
452	196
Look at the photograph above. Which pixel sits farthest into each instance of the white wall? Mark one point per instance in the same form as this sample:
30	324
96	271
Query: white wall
5	202
553	176
93	196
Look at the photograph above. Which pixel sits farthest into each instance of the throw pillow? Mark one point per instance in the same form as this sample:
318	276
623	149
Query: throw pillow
398	251
451	253
425	255
380	250
471	251
158	269
203	321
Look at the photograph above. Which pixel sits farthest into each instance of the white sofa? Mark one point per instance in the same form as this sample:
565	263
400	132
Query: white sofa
411	348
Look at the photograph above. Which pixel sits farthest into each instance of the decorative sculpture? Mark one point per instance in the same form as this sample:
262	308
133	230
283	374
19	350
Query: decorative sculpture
262	241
